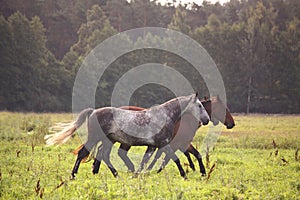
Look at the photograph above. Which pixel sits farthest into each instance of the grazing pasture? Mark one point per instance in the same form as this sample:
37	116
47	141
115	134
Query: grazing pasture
259	158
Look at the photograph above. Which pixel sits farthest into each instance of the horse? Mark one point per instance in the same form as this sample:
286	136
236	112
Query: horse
183	133
152	127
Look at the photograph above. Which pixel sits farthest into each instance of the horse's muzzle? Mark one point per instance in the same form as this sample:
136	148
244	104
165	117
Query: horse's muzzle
230	126
205	122
215	122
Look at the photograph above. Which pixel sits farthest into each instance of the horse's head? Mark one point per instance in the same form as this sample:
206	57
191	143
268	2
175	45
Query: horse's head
218	112
198	110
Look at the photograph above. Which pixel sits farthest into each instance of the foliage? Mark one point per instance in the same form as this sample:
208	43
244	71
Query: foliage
178	22
254	43
246	164
31	75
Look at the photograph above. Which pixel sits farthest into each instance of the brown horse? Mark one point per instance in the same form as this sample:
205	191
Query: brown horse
183	134
215	108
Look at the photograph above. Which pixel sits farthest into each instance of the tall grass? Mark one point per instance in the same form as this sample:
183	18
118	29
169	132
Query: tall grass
258	131
29	128
243	164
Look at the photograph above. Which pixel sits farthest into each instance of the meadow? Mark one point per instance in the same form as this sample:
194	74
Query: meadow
257	159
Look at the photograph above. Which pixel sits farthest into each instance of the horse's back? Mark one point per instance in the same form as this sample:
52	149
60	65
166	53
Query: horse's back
133	108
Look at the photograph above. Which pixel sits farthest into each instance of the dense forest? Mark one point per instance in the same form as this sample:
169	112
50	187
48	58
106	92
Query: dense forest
255	44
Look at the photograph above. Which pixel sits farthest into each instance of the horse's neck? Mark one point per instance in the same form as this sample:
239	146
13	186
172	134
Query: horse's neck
207	106
176	108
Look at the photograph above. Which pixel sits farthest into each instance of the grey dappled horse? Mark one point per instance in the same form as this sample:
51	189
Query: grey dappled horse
152	127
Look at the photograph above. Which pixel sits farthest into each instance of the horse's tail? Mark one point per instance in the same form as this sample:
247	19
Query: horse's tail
76	151
64	135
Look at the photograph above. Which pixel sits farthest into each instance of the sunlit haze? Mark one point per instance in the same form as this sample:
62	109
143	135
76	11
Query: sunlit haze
199	2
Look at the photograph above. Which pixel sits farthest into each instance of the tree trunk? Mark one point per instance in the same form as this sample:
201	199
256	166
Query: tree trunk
249	94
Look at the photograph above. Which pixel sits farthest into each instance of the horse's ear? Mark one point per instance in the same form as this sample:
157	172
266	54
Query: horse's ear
204	98
195	97
214	98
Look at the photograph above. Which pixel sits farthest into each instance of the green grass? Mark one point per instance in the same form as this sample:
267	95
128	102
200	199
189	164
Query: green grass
246	164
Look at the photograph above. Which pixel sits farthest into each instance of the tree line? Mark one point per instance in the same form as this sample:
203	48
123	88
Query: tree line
255	44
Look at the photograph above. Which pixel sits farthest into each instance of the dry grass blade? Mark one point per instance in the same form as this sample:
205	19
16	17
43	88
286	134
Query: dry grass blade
207	157
211	170
61	183
276	152
186	167
18	153
41	193
37	187
275	147
284	160
274	144
32	147
296	154
270	154
38	190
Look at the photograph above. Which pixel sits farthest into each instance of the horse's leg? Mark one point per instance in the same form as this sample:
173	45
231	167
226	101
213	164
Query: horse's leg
164	163
171	155
149	152
122	152
81	154
156	157
107	146
187	154
97	160
191	149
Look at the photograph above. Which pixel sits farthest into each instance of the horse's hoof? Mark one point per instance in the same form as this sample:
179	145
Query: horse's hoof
203	174
135	175
185	178
95	172
116	174
150	167
131	170
72	177
160	169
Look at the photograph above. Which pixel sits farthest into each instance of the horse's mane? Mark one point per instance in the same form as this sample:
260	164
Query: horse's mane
170	101
216	99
